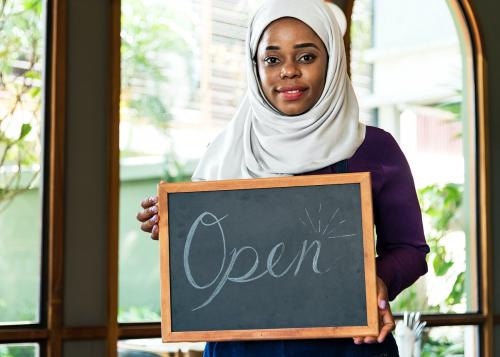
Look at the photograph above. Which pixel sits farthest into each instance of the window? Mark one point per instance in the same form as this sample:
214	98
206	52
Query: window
32	158
167	117
182	79
418	84
30	186
21	127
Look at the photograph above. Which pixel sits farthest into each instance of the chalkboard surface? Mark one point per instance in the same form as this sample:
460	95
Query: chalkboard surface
267	258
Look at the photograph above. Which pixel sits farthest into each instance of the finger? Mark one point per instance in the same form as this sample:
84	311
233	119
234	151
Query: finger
146	214
155	232
388	326
382	304
383	334
370	339
358	340
381	290
150	201
148	225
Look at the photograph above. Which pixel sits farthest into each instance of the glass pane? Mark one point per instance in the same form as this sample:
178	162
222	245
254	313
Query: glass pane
20	350
182	78
21	86
415	83
154	347
440	342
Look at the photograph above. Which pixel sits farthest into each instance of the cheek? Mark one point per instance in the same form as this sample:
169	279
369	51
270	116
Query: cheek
319	77
265	76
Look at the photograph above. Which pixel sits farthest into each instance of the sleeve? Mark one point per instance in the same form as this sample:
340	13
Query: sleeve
401	246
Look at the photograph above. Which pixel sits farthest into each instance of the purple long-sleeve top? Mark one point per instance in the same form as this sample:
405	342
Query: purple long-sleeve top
401	246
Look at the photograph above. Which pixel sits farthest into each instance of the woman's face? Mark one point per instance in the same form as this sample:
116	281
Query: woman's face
291	62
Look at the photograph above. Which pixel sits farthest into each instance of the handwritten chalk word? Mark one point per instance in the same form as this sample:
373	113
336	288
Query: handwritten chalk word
208	219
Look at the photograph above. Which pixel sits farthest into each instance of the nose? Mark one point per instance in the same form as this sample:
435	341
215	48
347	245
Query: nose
289	70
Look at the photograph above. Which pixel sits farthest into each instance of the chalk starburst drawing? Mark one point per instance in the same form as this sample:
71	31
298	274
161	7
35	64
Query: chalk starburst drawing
313	221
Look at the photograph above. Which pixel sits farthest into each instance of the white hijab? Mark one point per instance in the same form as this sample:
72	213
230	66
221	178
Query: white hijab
260	141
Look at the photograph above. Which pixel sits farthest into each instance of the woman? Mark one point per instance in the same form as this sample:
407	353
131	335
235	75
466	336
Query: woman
300	116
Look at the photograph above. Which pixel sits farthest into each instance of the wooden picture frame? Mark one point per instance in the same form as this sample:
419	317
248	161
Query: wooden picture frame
372	326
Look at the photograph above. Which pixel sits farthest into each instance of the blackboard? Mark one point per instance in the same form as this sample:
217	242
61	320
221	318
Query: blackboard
270	258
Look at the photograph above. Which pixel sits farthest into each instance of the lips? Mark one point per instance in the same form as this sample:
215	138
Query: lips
291	92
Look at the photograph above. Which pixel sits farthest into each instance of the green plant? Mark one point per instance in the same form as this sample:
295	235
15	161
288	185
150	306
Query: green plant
137	313
441	347
149	34
440	204
441	207
175	171
18	351
22	310
20	86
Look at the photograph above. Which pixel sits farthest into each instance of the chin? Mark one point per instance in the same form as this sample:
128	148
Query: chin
288	110
291	114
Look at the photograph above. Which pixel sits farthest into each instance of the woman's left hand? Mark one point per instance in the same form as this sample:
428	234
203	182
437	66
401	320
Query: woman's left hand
385	315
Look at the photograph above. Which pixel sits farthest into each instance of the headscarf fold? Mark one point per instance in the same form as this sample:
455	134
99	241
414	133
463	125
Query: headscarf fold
259	141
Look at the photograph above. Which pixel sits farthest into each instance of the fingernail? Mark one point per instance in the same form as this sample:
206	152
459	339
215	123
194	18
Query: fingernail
153	209
382	304
155	229
154	219
152	199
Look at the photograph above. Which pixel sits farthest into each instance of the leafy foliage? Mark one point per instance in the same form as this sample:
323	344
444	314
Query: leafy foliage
441	207
175	171
17	351
442	347
23	310
20	100
138	313
149	36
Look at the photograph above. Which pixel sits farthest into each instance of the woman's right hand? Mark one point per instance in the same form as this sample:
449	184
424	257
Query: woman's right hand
149	216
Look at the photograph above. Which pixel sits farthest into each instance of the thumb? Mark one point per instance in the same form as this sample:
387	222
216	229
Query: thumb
381	294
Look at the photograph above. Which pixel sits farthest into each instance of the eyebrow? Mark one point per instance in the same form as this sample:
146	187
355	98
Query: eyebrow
300	45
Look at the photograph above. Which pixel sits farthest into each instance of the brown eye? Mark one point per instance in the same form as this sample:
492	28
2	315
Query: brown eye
307	58
271	60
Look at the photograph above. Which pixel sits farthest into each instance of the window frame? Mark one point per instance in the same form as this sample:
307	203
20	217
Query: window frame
484	318
51	332
47	332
